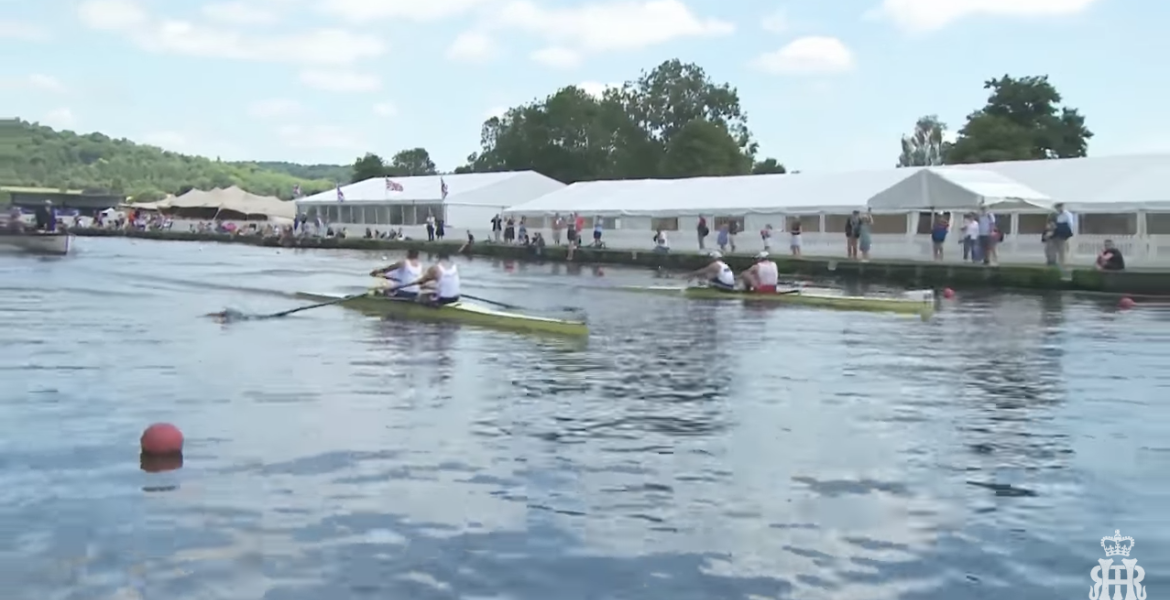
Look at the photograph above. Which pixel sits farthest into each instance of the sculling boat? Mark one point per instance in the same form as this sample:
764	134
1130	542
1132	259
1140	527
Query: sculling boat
56	244
912	302
460	312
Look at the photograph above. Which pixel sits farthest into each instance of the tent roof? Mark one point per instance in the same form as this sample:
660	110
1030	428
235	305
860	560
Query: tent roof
948	188
236	199
798	192
462	188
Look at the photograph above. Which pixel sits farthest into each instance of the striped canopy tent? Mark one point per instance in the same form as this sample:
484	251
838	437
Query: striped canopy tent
231	203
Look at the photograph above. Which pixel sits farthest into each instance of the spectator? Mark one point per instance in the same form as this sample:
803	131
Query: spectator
938	235
970	238
1066	227
988	234
722	238
510	231
852	229
864	235
702	231
497	227
597	227
661	245
1110	258
794	243
1049	240
430	227
766	236
732	230
558	223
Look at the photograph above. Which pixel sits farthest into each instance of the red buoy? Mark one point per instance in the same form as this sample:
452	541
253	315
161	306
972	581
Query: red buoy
948	293
162	438
1126	303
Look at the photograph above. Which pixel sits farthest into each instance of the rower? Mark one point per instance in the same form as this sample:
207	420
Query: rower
761	277
446	278
404	271
717	274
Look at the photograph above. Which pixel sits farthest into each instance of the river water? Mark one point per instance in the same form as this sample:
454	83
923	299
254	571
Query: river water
689	450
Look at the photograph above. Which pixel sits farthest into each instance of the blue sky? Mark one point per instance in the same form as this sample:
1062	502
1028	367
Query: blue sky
828	86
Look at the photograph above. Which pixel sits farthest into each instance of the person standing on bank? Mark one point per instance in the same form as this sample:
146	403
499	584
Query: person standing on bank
440	225
987	236
938	235
558	223
1066	227
852	229
497	227
702	232
430	227
864	235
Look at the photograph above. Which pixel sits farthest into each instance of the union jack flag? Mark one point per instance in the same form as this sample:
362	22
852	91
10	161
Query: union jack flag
393	186
340	194
443	187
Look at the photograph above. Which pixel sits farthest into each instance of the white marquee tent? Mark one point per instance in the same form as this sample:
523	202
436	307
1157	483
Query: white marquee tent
957	189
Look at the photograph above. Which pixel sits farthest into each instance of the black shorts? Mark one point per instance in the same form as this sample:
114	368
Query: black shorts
596	235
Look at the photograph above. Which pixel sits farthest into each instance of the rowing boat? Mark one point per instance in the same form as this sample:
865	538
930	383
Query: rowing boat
460	312
913	302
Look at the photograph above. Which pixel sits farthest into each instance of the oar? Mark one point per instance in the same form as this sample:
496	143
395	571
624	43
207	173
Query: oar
512	306
239	316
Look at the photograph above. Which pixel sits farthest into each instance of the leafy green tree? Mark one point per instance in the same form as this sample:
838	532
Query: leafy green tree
411	162
367	167
925	147
768	166
673	121
1021	121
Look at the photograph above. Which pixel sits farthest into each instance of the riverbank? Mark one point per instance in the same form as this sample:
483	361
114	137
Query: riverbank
1153	282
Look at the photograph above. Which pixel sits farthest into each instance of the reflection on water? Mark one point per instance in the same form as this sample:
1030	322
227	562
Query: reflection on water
689	450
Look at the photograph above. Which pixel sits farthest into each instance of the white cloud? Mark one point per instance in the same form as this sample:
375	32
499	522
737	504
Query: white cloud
320	47
59	118
360	11
341	81
45	83
596	89
22	31
616	25
274	107
239	13
776	22
472	46
812	54
385	109
558	58
112	15
931	15
319	136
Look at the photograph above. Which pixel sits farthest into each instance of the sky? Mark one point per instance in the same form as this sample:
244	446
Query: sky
828	86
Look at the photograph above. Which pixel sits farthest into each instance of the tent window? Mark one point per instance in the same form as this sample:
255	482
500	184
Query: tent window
1158	223
926	221
836	223
889	224
1004	224
421	211
1108	224
721	221
606	222
808	223
664	224
1032	224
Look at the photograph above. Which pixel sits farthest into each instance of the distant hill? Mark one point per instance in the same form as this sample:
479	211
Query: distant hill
335	173
35	155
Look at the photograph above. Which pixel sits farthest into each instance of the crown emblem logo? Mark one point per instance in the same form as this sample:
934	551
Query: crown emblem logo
1117	545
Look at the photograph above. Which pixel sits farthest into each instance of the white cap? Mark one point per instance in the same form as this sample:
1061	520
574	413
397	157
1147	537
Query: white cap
762	255
715	254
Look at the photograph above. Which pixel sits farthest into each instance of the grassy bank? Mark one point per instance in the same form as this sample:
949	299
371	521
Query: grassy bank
895	272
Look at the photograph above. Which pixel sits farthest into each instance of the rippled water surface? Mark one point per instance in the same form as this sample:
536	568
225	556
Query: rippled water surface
689	450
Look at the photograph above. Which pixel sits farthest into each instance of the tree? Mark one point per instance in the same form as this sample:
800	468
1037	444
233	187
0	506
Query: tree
768	166
410	163
367	167
1021	121
666	123
926	146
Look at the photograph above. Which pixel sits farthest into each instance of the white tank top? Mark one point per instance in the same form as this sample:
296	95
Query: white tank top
725	275
767	273
448	281
407	273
